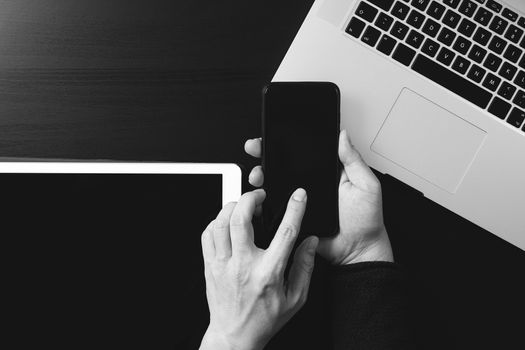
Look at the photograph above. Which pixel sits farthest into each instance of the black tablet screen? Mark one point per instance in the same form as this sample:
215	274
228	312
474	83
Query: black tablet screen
106	261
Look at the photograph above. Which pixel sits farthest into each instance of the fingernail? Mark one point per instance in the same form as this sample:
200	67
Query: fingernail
299	195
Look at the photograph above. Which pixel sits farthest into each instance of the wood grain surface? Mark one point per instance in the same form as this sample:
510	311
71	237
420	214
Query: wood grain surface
145	80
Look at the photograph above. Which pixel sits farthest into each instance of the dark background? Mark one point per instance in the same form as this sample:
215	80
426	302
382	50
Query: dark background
181	81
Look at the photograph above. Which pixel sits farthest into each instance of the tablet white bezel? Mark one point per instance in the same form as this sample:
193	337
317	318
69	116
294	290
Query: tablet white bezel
231	173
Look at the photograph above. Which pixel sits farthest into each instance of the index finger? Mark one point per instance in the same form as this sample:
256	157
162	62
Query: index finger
254	147
241	229
284	240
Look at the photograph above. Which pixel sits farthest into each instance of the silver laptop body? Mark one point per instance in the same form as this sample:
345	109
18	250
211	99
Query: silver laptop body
432	93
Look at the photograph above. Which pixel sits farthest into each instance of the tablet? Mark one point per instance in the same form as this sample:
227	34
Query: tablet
230	173
107	255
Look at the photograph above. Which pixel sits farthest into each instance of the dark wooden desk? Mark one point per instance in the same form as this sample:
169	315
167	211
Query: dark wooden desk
181	81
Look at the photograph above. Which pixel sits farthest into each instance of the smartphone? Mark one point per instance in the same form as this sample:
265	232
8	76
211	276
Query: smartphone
301	125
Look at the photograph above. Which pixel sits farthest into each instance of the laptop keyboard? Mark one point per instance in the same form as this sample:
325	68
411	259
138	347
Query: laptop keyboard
473	48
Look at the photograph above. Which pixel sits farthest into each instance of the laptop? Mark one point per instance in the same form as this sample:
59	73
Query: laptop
108	255
433	93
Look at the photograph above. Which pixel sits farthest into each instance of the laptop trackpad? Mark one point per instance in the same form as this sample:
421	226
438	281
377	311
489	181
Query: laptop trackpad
428	141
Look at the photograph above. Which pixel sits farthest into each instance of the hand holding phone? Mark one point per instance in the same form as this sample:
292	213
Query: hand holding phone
361	234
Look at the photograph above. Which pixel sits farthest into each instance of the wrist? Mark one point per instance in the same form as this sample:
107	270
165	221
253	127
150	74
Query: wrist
378	249
213	340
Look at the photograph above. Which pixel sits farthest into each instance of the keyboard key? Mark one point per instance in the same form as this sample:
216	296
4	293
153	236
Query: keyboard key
506	90
522	63
521	22
499	25
385	5
476	73
420	4
466	27
510	15
482	36
371	36
446	36
451	81
497	44
483	16
462	45
516	117
477	54
430	47
404	54
416	19
492	62
468	8
520	99
499	108
508	71
520	79
415	39
400	10
513	53
494	6
461	65
399	30
522	44
355	27
431	28
446	56
386	44
451	19
452	3
491	82
366	12
384	21
514	34
436	10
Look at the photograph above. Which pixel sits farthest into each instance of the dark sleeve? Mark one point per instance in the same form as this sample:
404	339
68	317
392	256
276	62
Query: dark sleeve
370	308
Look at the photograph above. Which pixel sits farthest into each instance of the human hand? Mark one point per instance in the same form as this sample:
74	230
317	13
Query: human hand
362	234
247	294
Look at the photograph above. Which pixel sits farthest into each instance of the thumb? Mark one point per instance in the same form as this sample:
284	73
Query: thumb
301	270
328	245
356	170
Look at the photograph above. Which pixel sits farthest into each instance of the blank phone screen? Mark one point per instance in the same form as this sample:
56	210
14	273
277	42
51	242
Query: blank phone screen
300	142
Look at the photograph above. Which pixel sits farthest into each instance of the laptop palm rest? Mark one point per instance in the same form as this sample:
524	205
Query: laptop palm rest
334	11
428	141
